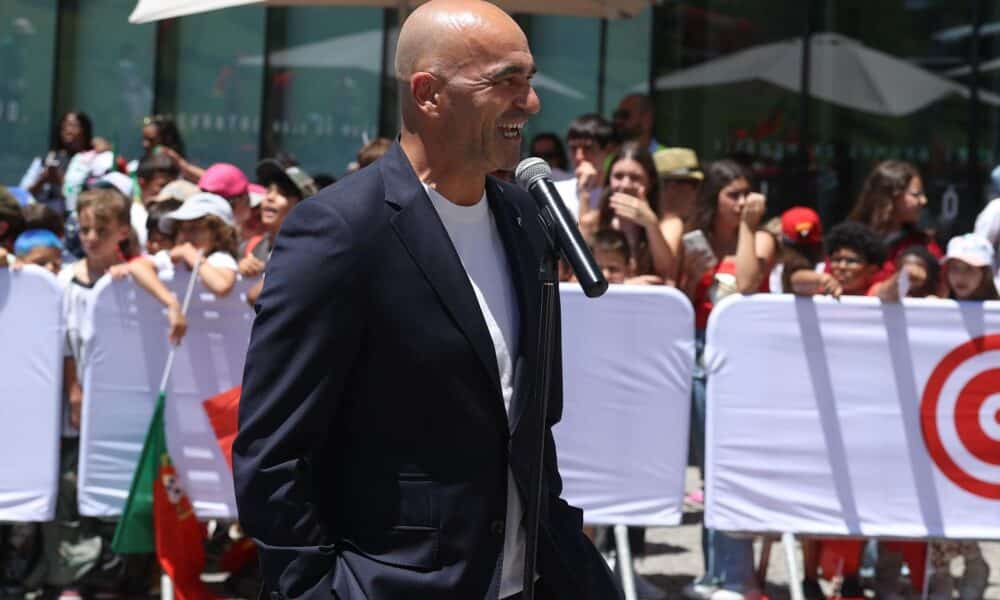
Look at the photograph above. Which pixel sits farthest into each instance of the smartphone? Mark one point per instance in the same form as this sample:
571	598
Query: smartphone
695	242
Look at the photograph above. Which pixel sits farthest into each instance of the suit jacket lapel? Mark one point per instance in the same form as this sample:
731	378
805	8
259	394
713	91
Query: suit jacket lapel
420	229
524	272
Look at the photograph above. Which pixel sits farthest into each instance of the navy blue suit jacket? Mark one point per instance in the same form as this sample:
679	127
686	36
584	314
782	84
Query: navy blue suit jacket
373	445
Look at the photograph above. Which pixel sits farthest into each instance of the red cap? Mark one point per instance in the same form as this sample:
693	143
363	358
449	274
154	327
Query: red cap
224	179
800	225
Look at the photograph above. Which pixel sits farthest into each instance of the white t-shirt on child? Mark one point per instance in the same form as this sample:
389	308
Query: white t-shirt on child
165	266
77	299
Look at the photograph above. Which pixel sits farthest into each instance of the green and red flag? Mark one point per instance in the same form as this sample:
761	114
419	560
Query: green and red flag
159	517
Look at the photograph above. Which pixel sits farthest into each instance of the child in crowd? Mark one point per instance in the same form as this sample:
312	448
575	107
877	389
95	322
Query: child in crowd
11	226
156	238
201	227
287	185
968	268
612	255
801	249
625	206
39	247
153	174
922	276
891	201
734	256
855	254
104	229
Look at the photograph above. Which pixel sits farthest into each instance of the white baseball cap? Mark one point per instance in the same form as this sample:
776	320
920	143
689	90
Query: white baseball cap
970	248
198	206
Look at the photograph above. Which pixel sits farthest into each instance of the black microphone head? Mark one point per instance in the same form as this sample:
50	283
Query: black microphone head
530	170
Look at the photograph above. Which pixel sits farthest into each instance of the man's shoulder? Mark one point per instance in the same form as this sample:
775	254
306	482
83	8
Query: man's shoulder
357	200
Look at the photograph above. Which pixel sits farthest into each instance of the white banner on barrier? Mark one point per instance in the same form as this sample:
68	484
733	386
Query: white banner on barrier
623	439
854	417
30	394
127	356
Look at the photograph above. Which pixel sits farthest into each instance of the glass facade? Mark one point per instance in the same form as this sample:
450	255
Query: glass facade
107	69
27	60
728	78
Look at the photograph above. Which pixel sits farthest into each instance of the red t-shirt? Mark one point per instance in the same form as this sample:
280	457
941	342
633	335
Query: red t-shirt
900	243
716	284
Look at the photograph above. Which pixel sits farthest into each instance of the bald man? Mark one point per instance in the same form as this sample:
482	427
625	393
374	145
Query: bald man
386	431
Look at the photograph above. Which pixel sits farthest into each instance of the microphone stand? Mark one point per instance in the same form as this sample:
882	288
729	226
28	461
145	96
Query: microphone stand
548	275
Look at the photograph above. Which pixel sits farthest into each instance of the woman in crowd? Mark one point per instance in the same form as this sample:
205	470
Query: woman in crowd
891	201
734	257
625	206
44	178
160	134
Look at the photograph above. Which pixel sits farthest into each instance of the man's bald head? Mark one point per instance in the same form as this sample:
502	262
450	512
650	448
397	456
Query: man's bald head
436	36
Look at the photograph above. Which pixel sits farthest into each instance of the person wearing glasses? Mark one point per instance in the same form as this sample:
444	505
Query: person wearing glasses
634	121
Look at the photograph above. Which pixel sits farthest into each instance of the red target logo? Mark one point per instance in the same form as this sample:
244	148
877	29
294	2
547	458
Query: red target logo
960	416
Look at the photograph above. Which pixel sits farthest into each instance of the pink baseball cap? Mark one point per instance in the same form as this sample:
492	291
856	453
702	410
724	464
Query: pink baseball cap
257	193
224	179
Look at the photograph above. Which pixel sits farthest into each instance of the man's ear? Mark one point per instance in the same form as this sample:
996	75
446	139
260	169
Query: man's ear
425	87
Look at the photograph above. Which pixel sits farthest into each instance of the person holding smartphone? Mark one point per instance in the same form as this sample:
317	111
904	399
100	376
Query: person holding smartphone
725	253
44	178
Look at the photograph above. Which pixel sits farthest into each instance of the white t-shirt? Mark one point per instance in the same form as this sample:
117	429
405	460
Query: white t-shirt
474	235
165	266
77	298
567	191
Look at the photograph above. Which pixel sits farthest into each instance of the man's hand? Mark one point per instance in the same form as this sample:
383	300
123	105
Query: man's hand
753	209
251	266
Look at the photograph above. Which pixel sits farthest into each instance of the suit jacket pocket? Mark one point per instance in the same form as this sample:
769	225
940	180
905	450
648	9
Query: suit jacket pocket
413	541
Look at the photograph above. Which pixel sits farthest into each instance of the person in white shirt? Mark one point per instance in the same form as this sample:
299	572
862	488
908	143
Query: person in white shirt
591	142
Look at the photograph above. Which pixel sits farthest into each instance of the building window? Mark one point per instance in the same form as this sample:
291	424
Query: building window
27	49
106	71
210	83
626	59
323	84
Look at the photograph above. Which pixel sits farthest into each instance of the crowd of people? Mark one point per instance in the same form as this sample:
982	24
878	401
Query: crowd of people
652	214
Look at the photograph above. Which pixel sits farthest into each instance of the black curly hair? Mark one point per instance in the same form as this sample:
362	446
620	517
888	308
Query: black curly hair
858	237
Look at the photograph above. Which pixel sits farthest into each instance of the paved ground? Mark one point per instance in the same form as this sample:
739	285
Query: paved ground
674	557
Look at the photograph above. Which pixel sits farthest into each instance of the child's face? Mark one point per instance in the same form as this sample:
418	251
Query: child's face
274	208
963	278
907	206
101	240
613	265
197	232
45	257
152	186
156	240
852	271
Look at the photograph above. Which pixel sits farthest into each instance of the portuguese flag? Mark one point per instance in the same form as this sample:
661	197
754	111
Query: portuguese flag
159	517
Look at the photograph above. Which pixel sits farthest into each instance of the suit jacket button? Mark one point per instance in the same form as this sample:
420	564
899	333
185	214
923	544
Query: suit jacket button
497	528
276	596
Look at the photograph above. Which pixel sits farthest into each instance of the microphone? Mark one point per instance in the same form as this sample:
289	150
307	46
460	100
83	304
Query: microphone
535	175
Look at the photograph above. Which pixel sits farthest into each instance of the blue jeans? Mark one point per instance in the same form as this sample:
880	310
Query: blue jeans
728	560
